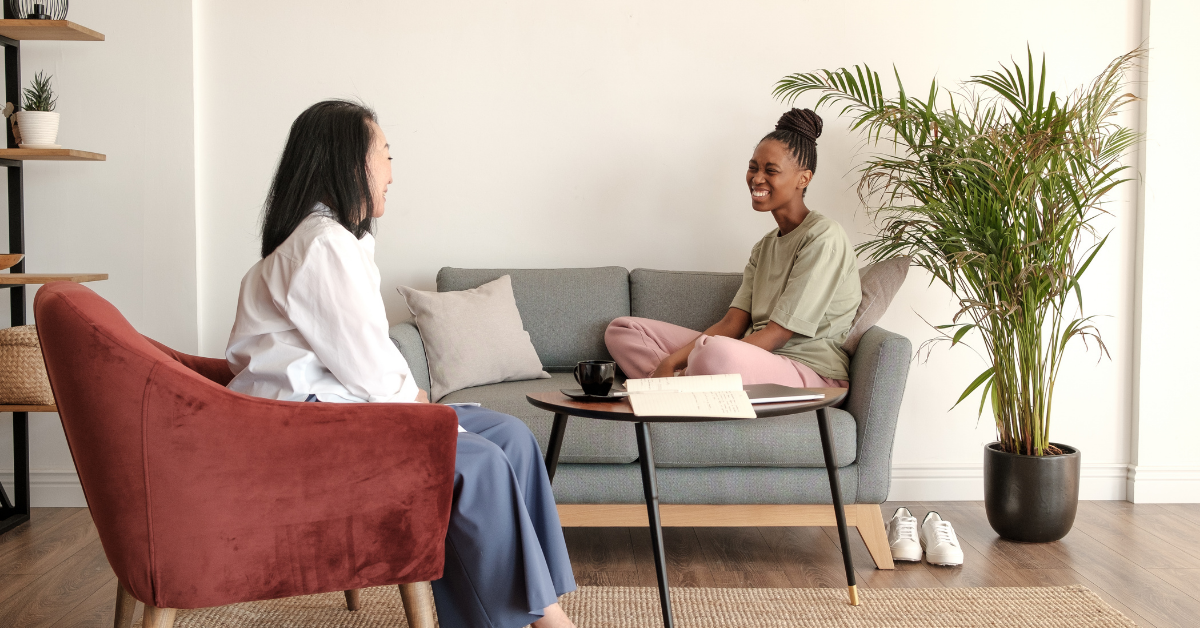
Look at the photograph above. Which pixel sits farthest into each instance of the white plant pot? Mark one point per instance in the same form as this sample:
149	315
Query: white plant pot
37	129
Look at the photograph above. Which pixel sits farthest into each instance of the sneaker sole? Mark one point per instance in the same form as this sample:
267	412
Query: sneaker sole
908	559
943	562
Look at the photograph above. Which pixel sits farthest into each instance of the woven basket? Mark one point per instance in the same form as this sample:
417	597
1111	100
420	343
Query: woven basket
23	380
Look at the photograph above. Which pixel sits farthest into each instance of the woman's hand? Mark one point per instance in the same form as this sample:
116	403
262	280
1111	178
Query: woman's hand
666	368
771	337
422	396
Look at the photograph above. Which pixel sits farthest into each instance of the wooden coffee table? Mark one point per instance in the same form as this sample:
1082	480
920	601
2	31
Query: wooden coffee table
563	407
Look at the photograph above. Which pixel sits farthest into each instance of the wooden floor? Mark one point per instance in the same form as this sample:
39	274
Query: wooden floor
1142	559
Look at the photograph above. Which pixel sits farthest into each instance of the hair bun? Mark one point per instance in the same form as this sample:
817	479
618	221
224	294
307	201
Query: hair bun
804	122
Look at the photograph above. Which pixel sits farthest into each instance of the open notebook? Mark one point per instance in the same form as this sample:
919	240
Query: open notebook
720	396
699	396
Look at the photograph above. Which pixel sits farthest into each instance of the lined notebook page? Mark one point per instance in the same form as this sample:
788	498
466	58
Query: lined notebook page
728	404
687	383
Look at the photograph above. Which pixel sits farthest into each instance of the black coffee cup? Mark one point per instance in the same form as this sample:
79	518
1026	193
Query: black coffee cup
596	377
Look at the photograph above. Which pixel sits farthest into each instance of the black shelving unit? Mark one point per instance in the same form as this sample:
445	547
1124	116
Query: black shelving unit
14	510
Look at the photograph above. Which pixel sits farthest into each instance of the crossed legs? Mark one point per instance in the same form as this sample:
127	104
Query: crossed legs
639	344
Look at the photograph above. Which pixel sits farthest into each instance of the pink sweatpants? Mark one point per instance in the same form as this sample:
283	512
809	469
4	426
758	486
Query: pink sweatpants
639	345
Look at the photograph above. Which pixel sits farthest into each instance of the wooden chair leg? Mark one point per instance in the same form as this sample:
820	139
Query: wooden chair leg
352	599
418	604
158	617
869	521
123	616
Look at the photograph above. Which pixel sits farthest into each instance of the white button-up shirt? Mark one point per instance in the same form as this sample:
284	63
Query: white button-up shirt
310	320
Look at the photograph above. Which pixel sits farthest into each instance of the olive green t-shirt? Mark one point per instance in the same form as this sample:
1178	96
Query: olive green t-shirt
807	282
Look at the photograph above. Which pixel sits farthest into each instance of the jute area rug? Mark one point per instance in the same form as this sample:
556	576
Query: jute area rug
637	607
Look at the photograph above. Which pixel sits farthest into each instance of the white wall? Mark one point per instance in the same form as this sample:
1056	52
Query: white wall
132	216
547	134
1166	456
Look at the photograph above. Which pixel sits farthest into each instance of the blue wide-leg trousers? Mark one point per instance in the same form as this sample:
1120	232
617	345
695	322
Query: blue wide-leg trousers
506	558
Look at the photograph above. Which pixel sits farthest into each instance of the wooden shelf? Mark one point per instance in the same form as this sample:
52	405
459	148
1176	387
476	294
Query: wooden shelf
28	408
26	279
47	30
49	154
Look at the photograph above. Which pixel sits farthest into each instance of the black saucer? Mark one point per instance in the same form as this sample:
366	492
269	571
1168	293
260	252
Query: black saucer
578	395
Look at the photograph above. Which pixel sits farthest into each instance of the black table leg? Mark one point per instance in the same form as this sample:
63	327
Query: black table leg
555	445
650	486
838	511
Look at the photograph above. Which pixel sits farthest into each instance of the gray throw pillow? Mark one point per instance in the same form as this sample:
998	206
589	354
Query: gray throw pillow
880	283
473	337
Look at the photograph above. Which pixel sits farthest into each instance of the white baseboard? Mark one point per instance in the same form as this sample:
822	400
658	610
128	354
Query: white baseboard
964	482
49	488
1149	484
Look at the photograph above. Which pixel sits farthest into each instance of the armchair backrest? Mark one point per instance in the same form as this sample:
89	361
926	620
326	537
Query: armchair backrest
203	496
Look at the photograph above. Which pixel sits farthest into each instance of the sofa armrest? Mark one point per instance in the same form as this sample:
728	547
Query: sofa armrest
407	339
878	374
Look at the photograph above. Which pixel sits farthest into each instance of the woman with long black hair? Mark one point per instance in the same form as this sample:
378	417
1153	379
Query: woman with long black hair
311	326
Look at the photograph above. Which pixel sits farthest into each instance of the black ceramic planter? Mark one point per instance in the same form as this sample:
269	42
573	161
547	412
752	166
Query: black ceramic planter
1031	499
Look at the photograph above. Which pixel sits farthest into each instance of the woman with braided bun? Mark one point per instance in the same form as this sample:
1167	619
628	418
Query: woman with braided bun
798	296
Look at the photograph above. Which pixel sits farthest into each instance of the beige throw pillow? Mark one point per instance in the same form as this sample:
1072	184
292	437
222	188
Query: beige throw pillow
473	337
880	283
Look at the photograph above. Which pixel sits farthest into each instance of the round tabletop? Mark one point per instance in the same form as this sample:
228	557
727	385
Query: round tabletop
620	410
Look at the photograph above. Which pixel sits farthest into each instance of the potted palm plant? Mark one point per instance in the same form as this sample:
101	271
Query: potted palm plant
995	191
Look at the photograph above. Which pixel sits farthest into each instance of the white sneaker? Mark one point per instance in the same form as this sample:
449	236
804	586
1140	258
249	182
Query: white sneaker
939	541
902	536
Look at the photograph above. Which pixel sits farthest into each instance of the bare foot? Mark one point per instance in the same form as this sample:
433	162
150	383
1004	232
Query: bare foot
554	618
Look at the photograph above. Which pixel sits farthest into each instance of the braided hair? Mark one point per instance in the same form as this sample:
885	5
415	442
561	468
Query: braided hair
799	129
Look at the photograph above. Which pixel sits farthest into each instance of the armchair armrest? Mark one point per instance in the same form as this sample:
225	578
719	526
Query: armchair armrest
215	369
407	339
878	375
252	499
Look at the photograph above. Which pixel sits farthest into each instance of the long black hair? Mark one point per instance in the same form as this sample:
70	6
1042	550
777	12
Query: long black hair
799	129
324	161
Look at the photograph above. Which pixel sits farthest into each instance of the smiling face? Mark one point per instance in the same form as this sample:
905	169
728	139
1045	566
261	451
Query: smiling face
379	167
775	179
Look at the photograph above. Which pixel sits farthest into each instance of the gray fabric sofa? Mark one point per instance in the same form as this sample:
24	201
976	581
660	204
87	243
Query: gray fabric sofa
765	470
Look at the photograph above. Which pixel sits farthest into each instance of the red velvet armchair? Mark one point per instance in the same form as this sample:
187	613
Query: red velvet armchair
205	497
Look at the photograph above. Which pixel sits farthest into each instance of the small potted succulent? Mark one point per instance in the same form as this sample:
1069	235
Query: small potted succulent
36	126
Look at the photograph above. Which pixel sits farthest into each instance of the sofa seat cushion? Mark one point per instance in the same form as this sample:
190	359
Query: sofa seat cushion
786	441
622	484
587	440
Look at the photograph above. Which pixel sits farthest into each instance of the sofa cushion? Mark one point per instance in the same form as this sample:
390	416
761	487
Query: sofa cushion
586	441
786	441
565	310
694	300
472	337
622	484
880	283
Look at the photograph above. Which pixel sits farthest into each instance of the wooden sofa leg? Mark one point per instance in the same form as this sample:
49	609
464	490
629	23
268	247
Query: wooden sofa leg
123	615
869	521
158	617
418	604
352	599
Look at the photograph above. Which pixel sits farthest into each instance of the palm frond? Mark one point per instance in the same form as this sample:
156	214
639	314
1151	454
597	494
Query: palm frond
995	195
